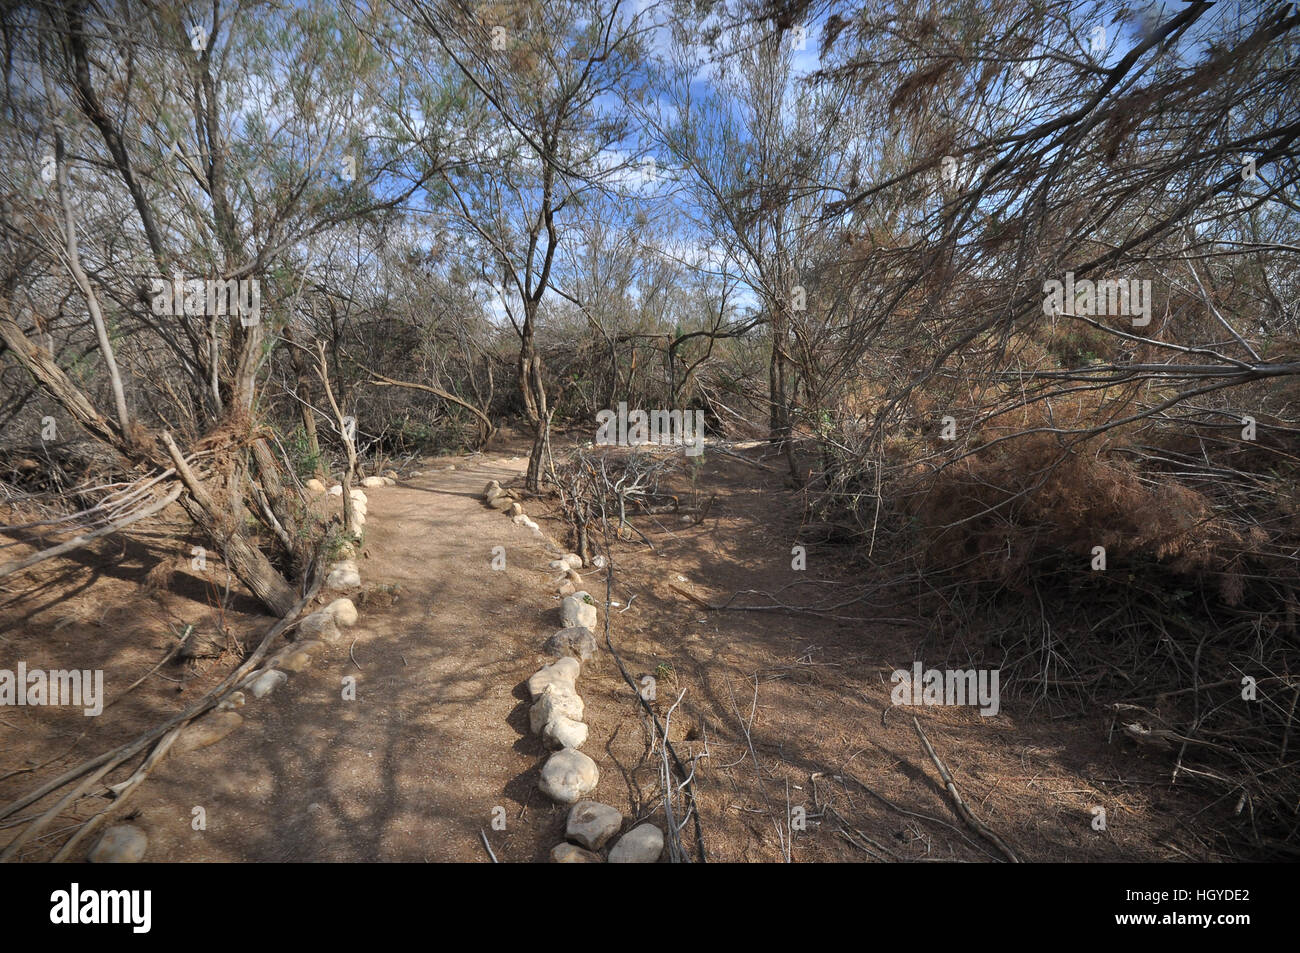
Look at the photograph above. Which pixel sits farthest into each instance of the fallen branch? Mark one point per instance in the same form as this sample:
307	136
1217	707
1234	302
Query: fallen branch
694	598
663	732
488	846
962	810
79	541
381	381
103	763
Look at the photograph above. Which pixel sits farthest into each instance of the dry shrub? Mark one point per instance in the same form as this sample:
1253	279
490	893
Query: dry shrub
1027	499
995	534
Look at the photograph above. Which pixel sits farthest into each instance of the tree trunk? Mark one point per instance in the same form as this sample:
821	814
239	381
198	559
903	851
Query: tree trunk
268	471
533	390
304	404
778	414
246	561
780	430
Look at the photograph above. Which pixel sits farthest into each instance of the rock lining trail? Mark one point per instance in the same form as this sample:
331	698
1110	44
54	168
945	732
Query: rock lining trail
435	752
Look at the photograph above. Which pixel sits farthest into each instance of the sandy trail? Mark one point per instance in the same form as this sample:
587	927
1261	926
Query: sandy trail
437	736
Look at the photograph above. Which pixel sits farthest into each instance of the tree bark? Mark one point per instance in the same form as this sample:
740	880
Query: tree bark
304	405
533	389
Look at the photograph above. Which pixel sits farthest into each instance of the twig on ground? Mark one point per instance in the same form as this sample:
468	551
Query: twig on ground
962	810
488	846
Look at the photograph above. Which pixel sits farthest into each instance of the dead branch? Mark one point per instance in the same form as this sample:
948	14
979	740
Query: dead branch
962	810
96	768
85	538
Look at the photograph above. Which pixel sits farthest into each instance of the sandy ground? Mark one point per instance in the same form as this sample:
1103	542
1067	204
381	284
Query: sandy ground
436	739
781	714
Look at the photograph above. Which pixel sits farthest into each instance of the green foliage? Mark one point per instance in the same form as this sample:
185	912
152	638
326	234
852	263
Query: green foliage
306	463
406	435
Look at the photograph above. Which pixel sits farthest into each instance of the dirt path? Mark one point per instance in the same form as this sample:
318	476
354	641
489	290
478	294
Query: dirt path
437	736
782	712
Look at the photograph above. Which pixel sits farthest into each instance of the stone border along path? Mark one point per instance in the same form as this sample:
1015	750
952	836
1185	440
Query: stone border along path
556	715
127	843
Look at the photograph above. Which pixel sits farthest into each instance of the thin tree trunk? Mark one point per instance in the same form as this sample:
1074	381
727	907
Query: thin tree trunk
349	442
268	470
533	389
304	404
83	282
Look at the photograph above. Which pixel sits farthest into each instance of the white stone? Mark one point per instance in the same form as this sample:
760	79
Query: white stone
371	482
319	625
555	701
568	775
207	730
336	489
296	661
641	845
572	854
232	701
571	561
344	612
120	844
266	683
358	496
562	674
563	732
577	641
344	575
576	611
592	824
343	579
